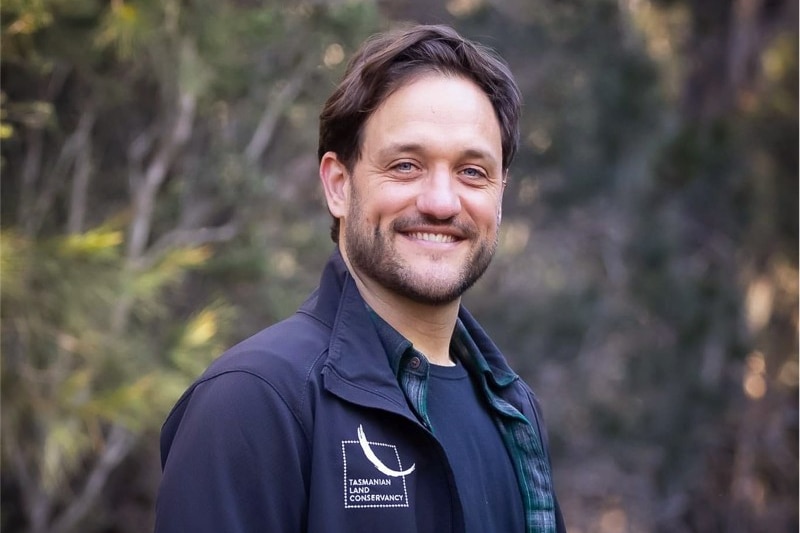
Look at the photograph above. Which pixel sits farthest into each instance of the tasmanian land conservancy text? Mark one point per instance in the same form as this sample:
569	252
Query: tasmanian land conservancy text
360	491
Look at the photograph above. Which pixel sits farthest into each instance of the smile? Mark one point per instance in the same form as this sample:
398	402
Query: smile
433	237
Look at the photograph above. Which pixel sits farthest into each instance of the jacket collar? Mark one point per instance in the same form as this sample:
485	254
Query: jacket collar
357	368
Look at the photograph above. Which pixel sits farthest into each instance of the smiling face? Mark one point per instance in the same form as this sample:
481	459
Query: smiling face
420	211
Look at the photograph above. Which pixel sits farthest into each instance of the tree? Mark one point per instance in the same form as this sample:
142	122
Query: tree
135	142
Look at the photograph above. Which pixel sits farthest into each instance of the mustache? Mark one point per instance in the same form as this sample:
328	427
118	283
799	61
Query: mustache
461	227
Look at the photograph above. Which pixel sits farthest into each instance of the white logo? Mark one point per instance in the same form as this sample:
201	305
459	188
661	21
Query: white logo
373	474
362	440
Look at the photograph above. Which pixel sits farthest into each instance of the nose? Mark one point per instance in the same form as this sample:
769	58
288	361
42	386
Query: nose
439	197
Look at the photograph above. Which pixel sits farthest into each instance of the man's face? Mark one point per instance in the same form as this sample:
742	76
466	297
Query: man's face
425	195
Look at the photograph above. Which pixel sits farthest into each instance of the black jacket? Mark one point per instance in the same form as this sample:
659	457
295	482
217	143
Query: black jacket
288	431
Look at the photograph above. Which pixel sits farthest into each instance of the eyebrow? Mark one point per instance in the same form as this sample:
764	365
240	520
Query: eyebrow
396	148
472	153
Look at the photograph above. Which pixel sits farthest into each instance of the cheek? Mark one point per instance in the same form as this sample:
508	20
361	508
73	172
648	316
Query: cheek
370	213
487	210
386	203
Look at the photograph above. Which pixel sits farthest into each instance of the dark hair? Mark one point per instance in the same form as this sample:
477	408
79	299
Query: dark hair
387	61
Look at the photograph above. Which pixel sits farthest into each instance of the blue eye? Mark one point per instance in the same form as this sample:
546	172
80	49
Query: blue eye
473	173
405	166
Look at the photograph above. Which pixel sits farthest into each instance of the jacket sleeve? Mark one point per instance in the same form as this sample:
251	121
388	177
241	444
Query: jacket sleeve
234	459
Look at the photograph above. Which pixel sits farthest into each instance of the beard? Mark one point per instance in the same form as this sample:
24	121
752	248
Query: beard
372	253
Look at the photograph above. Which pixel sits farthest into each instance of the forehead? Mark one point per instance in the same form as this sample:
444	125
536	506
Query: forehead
437	109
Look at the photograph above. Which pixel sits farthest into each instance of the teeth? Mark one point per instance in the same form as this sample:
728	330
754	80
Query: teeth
433	237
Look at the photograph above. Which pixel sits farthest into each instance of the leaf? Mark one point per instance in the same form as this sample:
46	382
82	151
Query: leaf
199	342
65	443
100	242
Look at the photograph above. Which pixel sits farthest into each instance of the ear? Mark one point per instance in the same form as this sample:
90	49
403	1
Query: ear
334	179
500	199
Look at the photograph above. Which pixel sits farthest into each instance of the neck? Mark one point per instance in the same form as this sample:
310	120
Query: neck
428	327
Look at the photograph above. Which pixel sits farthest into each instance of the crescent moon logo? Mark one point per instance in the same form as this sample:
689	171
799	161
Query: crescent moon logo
376	462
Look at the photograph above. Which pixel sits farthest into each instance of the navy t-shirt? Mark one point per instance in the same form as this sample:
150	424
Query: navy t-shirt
481	464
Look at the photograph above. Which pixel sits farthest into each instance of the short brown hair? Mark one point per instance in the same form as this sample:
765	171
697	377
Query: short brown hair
387	61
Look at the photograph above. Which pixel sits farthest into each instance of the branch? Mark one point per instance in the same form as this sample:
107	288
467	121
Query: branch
119	444
37	503
31	171
145	193
187	237
82	174
55	178
144	188
32	165
137	150
272	114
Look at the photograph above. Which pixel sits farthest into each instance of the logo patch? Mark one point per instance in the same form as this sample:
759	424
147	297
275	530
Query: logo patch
373	474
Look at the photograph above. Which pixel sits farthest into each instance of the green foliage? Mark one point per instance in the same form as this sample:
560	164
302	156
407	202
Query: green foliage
67	371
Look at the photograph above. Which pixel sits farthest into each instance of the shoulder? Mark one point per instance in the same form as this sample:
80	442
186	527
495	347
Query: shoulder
274	371
289	349
283	355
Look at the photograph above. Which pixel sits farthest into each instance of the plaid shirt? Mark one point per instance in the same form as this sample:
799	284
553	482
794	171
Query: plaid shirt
521	437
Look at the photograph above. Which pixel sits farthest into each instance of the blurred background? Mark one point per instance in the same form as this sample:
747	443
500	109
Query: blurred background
160	201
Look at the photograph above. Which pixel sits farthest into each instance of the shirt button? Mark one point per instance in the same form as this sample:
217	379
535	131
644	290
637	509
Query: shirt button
414	362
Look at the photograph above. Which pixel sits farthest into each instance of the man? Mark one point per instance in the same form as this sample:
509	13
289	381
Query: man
381	405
